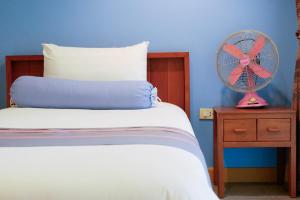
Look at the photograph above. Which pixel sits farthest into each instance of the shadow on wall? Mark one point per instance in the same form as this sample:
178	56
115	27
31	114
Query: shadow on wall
230	97
272	94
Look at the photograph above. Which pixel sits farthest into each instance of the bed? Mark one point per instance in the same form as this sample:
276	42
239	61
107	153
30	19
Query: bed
104	154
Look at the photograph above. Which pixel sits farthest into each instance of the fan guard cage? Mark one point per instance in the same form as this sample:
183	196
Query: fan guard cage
268	58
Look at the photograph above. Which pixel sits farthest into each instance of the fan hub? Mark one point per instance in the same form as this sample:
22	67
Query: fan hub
245	60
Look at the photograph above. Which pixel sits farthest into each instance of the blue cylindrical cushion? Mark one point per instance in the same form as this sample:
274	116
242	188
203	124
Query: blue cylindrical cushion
40	92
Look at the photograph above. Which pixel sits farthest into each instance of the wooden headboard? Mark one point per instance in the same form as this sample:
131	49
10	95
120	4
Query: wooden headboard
168	71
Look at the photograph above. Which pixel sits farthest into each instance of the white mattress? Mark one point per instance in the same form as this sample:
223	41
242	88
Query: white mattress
113	172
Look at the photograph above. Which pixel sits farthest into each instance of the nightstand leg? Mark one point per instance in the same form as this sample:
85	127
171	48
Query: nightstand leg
220	161
215	176
292	172
215	180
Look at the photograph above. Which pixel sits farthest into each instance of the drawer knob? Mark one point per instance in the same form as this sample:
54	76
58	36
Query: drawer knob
239	130
274	130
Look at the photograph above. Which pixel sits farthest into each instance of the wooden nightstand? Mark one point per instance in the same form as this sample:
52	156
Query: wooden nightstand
265	127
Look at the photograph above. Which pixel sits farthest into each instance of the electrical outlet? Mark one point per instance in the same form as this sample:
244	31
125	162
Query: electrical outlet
206	113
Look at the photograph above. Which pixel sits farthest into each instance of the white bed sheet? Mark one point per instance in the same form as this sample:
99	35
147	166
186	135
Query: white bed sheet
113	172
164	114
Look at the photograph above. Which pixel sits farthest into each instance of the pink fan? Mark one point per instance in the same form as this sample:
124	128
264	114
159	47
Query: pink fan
247	62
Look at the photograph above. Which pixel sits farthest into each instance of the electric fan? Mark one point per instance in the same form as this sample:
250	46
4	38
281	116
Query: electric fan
246	62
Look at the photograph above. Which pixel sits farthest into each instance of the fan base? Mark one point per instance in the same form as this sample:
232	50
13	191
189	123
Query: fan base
252	100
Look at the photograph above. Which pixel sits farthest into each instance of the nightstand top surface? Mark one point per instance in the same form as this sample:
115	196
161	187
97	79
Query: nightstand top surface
254	110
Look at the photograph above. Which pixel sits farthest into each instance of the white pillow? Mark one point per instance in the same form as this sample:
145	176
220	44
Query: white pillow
104	64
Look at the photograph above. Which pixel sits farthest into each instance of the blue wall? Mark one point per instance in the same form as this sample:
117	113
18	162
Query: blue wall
197	26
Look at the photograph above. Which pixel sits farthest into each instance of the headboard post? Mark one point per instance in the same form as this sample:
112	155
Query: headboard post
168	71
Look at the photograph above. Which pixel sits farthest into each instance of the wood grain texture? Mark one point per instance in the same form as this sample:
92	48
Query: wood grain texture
168	71
265	110
239	130
273	130
243	128
255	144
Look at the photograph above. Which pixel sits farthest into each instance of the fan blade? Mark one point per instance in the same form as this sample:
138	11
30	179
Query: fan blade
260	71
233	50
257	46
235	74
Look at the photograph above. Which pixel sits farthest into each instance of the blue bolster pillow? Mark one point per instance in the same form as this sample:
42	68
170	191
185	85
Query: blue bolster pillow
40	92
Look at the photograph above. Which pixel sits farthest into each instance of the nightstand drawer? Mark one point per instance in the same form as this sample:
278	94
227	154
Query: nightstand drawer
274	130
239	130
